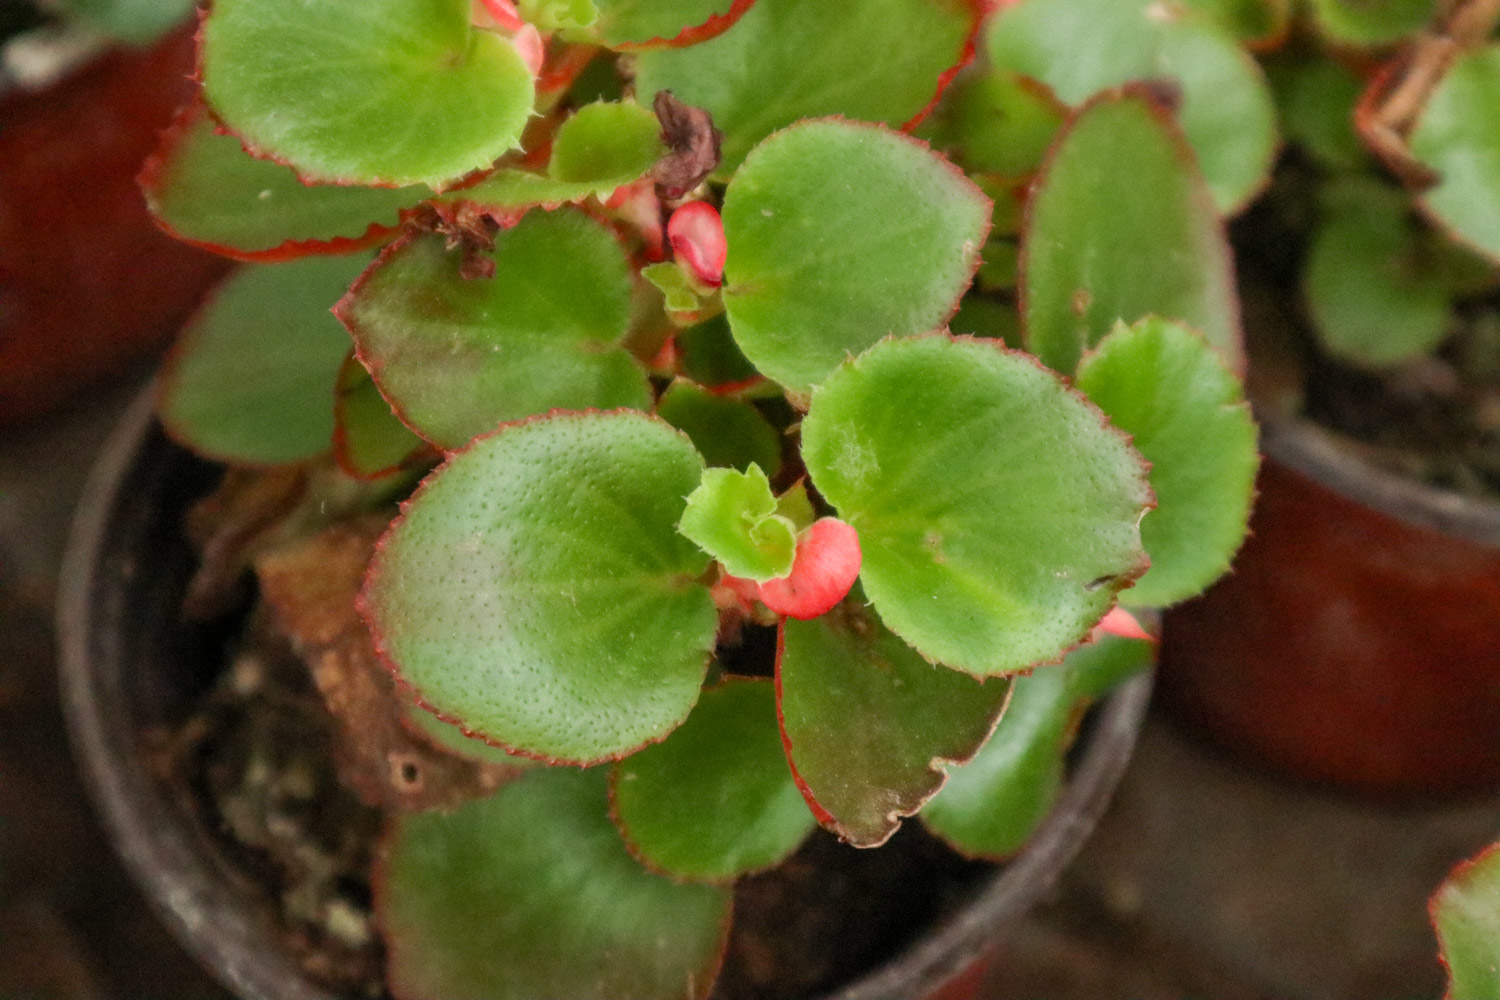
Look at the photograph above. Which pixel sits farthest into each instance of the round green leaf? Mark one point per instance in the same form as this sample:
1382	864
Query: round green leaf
1186	413
650	24
606	142
997	512
457	356
205	189
369	441
1370	22
991	805
840	234
726	432
1456	137
251	379
1371	299
1121	226
386	92
868	723
716	800
879	61
530	894
1082	47
537	591
732	516
1466	914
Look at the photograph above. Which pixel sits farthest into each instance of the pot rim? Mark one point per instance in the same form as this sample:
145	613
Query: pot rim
189	889
1316	452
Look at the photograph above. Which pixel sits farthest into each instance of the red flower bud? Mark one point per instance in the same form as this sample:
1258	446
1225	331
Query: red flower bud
825	566
697	236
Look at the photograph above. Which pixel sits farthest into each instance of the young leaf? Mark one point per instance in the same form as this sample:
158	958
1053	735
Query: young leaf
203	188
726	432
715	800
732	516
818	271
369	441
1163	385
531	894
1370	22
991	805
789	59
1456	137
867	722
457	357
386	92
1466	914
606	144
251	379
1121	227
1371	298
633	25
1082	47
998	513
536	588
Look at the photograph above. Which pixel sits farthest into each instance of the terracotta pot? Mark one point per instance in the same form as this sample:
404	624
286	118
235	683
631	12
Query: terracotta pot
127	662
87	281
1358	640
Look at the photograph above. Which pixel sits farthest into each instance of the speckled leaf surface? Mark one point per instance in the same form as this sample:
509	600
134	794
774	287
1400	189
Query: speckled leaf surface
1456	136
251	379
785	60
868	723
1186	414
1466	914
606	141
715	800
1082	47
1121	226
841	234
365	91
204	188
997	513
530	895
369	441
457	357
991	805
536	588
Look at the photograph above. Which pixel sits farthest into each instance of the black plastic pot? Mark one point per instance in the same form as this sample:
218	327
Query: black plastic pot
129	663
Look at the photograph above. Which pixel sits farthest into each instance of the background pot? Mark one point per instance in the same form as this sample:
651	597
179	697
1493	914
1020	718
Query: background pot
1358	640
128	663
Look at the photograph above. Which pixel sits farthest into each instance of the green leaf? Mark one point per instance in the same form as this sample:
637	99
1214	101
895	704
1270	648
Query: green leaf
680	294
1370	22
840	234
1372	300
451	738
1456	137
369	441
606	143
251	379
632	25
709	356
1466	914
1317	98
1082	47
205	189
991	805
558	15
726	432
386	92
1186	413
998	122
715	800
456	357
134	22
732	516
1121	227
868	723
997	513
537	590
785	60
1258	23
531	894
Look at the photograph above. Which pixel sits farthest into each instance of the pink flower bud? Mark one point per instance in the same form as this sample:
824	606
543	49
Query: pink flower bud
1121	623
824	568
697	236
497	14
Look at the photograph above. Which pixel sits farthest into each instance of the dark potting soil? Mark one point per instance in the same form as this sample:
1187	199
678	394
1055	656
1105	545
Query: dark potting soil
256	757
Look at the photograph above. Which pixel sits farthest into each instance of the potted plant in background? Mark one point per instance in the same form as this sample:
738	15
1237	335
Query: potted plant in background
663	319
